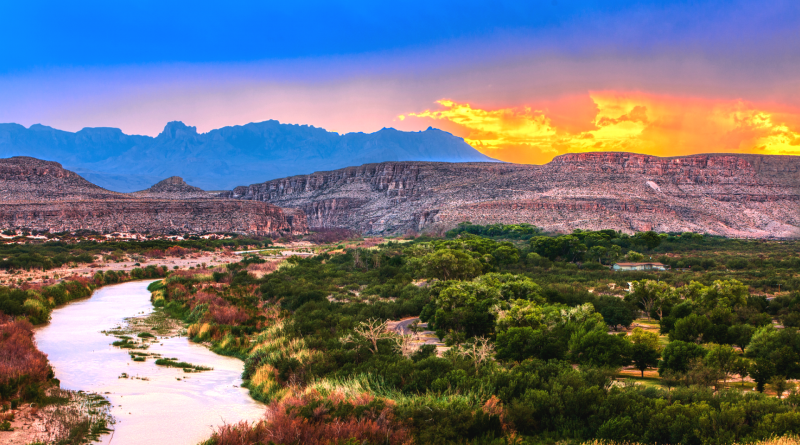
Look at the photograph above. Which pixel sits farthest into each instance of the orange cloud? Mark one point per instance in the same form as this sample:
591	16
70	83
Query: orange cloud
637	122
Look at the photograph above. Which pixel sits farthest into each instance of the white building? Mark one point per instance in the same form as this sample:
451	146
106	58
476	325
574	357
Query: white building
639	266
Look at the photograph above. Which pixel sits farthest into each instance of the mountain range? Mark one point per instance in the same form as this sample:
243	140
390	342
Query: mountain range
226	157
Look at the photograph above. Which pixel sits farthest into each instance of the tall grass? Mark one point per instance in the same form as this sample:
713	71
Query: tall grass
271	347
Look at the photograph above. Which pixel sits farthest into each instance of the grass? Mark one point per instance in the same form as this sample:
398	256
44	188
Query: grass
187	367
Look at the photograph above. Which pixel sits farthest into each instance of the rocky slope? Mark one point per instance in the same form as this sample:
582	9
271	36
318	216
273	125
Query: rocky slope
42	195
732	195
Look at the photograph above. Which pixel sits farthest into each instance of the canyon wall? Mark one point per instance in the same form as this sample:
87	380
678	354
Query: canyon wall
41	195
750	196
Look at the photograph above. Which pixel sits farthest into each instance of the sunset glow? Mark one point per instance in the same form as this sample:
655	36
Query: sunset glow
635	122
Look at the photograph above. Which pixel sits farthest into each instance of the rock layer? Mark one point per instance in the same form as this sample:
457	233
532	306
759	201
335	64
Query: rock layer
41	195
724	194
152	216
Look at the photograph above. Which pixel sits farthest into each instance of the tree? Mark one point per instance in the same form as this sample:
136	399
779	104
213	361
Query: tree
723	358
690	329
652	296
741	367
371	330
670	378
649	239
761	371
414	327
506	255
598	348
701	374
645	349
596	253
465	306
614	311
728	293
737	264
479	351
447	264
566	247
404	344
520	343
634	256
741	334
520	313
678	355
779	384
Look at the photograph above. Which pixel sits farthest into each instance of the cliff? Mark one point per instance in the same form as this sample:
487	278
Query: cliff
724	194
41	195
153	216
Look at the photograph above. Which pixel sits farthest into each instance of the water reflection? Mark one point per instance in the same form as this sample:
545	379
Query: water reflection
171	407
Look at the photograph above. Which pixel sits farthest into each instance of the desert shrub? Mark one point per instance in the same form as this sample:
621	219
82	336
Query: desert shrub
23	368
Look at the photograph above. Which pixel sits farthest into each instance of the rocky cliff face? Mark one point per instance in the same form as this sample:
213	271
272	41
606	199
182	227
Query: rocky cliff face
41	195
153	216
732	195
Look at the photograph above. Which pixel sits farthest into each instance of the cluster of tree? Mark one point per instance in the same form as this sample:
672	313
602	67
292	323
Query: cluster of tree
504	231
54	254
515	339
36	303
601	246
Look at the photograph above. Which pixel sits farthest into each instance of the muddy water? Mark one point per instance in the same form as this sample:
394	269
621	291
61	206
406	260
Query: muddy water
171	407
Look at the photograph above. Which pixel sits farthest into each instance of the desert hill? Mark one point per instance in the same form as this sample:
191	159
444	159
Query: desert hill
42	195
226	157
173	187
725	194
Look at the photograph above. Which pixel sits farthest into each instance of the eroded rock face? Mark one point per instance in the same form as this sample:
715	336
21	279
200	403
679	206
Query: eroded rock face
153	216
732	195
41	195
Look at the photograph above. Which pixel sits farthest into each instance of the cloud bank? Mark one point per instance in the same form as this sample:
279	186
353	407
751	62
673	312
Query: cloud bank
622	121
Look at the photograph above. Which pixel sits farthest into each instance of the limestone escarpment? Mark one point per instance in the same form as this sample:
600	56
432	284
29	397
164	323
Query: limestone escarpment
41	195
731	195
152	216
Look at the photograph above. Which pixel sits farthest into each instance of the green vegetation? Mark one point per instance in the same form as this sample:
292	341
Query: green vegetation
36	303
537	330
187	367
52	254
541	341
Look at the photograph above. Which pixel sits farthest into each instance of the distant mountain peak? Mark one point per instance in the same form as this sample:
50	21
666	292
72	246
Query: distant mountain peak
176	129
174	184
39	127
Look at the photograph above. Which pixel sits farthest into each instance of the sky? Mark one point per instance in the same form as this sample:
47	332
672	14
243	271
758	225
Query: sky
519	81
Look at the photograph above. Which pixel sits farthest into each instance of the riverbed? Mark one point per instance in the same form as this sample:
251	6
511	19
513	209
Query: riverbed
155	404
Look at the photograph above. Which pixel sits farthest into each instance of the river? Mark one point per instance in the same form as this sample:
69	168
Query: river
171	407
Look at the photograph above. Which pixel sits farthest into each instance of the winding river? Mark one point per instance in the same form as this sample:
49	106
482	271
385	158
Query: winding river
170	407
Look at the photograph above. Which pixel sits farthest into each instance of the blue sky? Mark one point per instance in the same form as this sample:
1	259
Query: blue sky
45	34
359	66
